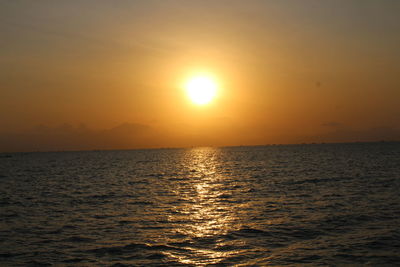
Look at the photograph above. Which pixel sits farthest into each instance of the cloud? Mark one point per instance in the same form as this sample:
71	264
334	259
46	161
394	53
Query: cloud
68	137
134	135
332	124
343	134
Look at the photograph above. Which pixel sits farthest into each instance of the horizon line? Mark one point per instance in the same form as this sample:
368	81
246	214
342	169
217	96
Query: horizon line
192	147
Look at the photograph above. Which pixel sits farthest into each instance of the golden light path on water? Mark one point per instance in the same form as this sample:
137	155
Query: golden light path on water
205	210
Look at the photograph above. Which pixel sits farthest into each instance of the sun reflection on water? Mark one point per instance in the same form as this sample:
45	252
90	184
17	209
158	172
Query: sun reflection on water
206	213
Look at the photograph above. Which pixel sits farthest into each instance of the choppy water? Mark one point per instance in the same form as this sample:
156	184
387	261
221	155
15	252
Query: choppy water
327	204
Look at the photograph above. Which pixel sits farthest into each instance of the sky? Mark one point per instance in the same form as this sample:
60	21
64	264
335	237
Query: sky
83	75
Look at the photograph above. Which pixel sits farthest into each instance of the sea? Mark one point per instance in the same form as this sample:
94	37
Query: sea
296	205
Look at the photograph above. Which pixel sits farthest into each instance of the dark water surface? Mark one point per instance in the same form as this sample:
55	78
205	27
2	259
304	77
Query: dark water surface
331	204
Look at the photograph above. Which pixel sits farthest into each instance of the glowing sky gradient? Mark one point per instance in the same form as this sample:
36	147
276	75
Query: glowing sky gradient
109	74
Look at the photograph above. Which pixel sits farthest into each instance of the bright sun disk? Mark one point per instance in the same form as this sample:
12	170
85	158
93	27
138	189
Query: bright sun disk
201	89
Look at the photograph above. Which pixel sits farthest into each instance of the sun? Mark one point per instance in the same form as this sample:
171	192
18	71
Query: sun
201	89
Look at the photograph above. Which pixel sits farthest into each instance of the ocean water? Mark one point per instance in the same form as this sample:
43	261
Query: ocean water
328	204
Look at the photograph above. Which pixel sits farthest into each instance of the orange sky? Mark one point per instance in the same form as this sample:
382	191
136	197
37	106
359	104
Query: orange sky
109	74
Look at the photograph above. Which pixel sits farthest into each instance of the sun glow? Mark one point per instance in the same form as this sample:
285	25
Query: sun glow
201	89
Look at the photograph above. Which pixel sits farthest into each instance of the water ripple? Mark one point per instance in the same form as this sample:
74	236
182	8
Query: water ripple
245	206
